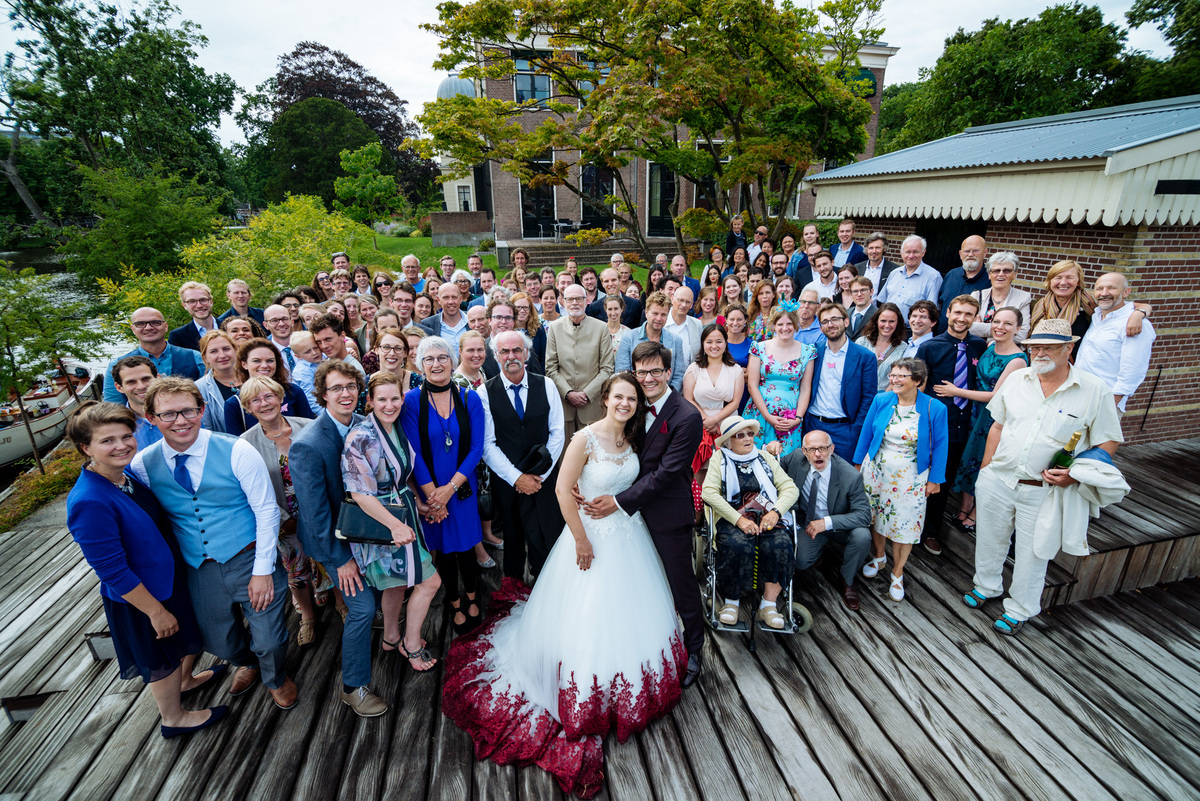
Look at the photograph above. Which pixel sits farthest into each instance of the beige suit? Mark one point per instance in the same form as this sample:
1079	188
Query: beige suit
579	357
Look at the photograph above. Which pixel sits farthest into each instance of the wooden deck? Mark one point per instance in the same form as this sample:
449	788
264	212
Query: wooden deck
1151	537
919	700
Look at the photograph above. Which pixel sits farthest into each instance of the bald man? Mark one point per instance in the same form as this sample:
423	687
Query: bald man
150	330
610	282
970	277
1107	351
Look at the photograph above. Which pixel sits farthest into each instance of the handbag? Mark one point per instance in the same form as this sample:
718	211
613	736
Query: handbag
487	505
355	525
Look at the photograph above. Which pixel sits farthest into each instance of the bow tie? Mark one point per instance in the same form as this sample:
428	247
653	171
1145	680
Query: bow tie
653	412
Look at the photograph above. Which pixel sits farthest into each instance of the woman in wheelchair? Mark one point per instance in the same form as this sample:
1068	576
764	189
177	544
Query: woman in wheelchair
751	496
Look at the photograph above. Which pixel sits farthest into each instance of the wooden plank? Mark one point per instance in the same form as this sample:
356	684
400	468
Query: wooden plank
625	773
125	747
1135	569
42	643
34	562
71	761
21	607
371	738
1114	756
535	784
1183	673
1156	561
903	673
1170	603
795	749
1112	570
1168	631
1183	556
492	782
450	763
666	762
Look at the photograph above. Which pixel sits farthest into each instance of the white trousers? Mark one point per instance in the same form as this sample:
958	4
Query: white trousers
1000	510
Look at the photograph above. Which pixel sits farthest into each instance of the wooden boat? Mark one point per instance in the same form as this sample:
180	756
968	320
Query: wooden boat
48	404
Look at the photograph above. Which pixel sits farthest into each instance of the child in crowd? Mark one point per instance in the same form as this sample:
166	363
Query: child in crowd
308	358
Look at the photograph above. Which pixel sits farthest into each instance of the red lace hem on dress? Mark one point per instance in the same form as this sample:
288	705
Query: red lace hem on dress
508	729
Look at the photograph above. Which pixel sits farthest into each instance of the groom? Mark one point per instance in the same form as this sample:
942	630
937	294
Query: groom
663	490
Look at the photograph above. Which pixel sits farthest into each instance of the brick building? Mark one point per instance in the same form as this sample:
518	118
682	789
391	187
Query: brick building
1115	190
523	214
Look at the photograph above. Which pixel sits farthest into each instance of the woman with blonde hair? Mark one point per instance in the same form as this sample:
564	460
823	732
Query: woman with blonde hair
1067	298
221	382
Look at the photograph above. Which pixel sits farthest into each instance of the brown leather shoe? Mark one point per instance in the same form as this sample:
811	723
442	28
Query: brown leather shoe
932	545
850	597
243	680
285	697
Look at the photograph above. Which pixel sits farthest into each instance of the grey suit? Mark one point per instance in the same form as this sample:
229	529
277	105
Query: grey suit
849	511
315	459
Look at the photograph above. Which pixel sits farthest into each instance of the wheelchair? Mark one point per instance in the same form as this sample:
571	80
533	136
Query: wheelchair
798	619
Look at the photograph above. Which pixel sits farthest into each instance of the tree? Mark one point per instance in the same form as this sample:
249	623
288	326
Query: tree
1066	59
304	148
38	329
893	113
1179	22
314	70
280	248
123	86
740	91
144	221
369	195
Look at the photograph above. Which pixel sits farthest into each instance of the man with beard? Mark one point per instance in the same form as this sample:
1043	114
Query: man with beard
965	280
1036	412
522	442
502	316
579	358
952	356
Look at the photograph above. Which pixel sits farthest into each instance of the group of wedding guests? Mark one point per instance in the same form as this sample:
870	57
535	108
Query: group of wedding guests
243	437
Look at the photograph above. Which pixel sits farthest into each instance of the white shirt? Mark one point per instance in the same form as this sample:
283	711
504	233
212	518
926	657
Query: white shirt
822	510
1035	427
825	291
910	352
651	419
251	472
1119	360
688	332
500	464
752	251
828	400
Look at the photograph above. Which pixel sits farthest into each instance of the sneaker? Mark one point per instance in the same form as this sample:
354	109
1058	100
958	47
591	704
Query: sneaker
365	703
932	545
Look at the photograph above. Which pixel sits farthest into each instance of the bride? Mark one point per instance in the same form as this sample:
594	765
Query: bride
595	645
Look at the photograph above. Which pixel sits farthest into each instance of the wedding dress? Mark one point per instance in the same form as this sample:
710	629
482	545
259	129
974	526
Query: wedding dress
584	653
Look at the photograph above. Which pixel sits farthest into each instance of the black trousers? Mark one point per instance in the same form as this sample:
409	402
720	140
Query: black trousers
675	548
530	527
935	508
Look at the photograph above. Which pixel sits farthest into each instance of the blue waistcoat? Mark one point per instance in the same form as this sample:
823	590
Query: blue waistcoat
217	521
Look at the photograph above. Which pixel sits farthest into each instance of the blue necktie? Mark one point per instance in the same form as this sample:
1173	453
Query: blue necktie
291	360
181	473
520	407
960	374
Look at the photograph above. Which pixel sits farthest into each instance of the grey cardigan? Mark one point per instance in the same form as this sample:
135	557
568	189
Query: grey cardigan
270	454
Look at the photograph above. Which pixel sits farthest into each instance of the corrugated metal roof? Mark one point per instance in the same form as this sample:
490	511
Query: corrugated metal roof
1065	137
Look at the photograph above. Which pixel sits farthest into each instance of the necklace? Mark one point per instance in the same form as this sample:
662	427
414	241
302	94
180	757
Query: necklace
286	430
443	423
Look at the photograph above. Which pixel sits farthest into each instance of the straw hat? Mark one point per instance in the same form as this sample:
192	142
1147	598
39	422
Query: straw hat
731	425
1052	331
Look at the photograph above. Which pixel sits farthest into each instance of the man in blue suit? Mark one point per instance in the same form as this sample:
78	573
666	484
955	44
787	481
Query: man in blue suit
843	384
150	329
316	463
679	269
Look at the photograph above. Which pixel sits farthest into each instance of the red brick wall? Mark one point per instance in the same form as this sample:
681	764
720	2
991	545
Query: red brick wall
1163	265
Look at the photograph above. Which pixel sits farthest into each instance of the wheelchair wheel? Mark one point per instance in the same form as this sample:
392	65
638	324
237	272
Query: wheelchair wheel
801	617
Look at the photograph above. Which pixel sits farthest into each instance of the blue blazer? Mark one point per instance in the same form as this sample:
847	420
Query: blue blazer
932	433
120	541
859	381
315	460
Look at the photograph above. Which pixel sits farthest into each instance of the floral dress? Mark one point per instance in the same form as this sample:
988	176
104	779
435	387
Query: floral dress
367	471
301	569
987	373
894	487
758	327
779	385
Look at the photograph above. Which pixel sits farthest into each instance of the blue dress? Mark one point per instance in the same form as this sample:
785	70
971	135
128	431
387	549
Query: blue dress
741	354
462	529
987	373
779	384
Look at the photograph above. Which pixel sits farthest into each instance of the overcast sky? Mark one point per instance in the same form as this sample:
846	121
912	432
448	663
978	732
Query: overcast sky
246	37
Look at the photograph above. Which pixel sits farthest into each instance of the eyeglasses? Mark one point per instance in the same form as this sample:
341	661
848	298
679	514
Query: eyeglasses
899	376
383	283
655	373
322	279
828	320
573	299
816	449
391	349
261	399
810	303
1002	271
340	388
747	434
188	414
291	305
147	323
441	358
503	317
197	301
274	320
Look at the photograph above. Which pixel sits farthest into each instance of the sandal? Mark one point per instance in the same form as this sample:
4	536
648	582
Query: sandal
896	591
488	565
975	599
771	617
871	569
728	614
421	654
307	634
1008	625
342	609
968	525
389	647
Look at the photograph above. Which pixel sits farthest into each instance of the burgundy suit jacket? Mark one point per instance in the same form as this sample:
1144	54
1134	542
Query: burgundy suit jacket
663	490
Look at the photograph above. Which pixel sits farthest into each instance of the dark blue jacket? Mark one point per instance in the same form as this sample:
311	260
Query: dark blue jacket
315	460
939	355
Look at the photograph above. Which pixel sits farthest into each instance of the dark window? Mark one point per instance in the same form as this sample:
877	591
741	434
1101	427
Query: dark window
662	196
464	198
528	85
597	183
537	206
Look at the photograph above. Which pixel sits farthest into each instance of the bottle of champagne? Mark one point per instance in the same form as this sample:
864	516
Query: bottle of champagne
1066	456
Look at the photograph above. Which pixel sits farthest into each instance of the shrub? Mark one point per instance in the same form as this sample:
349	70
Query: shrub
487	244
32	491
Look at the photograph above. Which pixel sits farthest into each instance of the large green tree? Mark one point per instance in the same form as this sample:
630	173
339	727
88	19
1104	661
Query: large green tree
1065	59
120	84
304	148
1179	22
735	91
365	194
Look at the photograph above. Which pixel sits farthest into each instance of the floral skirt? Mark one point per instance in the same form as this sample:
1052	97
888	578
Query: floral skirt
897	495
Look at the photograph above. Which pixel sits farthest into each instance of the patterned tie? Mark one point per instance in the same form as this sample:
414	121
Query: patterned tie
291	360
520	407
181	473
810	507
960	374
